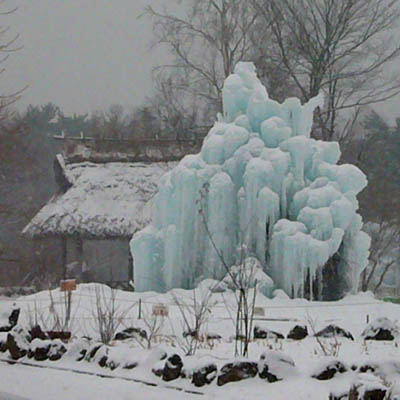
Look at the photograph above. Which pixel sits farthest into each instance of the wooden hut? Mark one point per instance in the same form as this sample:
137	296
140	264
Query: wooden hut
95	212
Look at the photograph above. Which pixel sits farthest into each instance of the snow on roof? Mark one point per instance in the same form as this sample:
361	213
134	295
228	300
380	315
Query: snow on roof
104	200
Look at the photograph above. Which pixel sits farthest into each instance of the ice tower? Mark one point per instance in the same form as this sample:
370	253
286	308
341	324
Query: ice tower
263	183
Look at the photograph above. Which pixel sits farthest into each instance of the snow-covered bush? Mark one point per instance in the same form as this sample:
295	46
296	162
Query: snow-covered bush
108	314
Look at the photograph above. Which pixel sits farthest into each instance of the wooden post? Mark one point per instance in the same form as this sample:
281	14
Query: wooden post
68	316
68	286
140	309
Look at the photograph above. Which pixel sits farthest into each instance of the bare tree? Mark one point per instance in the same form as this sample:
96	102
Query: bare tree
384	254
8	45
379	201
242	278
153	326
194	313
341	48
8	126
246	286
107	314
330	348
178	117
206	42
60	315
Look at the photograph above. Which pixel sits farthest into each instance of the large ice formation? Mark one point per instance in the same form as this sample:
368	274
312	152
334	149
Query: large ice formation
261	184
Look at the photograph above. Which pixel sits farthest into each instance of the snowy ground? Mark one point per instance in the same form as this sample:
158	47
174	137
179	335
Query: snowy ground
63	385
66	386
280	314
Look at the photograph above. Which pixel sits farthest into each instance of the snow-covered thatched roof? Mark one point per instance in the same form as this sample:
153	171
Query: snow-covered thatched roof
109	200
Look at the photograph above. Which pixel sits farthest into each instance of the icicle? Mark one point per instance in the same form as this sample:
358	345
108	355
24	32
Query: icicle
261	182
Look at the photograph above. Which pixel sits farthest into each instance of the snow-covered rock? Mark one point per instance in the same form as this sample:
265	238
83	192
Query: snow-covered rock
334	331
381	329
93	349
275	366
57	350
18	343
236	371
204	374
39	349
8	317
387	369
327	368
78	349
367	387
265	333
130	333
298	332
172	368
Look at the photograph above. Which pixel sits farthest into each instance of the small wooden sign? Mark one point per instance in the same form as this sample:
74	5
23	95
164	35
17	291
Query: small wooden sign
259	311
68	285
160	310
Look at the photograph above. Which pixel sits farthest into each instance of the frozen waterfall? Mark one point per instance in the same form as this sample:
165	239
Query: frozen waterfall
261	183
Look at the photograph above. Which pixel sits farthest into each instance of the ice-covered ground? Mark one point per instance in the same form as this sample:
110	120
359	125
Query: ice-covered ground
280	314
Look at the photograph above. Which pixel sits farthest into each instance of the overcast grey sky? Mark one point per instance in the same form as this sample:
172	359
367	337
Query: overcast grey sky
81	54
85	55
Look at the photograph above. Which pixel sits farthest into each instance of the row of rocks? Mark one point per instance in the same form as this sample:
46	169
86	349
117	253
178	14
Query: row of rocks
272	367
138	333
380	329
275	366
34	344
300	332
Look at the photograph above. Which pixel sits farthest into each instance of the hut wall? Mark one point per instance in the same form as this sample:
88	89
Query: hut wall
72	254
108	260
